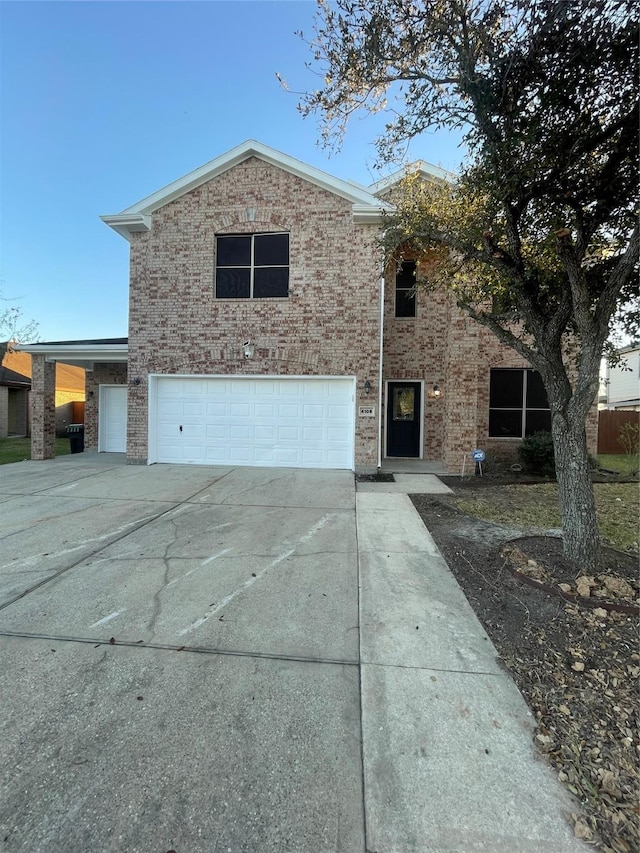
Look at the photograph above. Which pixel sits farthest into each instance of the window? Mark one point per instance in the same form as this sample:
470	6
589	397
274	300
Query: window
405	289
252	266
518	404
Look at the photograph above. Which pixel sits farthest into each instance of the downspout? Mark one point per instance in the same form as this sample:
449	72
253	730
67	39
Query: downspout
380	371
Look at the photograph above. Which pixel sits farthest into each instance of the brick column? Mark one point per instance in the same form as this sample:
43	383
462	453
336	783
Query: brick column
43	408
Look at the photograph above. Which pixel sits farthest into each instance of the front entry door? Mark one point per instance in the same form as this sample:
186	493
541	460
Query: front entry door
404	405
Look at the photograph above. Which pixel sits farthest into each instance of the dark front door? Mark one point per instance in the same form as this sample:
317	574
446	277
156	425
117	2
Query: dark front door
403	419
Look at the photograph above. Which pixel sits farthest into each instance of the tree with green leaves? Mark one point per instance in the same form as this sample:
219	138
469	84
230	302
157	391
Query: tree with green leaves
537	237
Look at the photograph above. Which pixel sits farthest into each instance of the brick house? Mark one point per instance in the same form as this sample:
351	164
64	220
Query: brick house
263	330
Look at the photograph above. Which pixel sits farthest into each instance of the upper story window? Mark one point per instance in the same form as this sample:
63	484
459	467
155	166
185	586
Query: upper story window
406	289
252	266
518	404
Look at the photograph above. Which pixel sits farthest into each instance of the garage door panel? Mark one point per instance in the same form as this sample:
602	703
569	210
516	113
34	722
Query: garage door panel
265	433
240	410
217	432
232	420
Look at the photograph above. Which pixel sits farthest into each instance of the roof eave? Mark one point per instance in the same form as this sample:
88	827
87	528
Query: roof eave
138	216
127	224
79	354
369	215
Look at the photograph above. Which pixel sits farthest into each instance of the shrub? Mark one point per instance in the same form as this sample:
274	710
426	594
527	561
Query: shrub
629	439
536	454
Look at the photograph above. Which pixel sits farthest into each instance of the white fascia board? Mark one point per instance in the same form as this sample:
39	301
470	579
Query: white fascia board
77	354
427	170
127	223
138	216
367	214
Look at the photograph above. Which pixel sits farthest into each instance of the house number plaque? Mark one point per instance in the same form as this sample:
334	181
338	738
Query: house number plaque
366	411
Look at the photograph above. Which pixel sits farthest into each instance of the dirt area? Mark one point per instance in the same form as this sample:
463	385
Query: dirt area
570	642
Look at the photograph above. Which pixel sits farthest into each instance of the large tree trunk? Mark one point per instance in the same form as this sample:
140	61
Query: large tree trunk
577	503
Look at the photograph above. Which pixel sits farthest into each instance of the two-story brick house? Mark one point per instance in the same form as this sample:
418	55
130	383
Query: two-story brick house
263	330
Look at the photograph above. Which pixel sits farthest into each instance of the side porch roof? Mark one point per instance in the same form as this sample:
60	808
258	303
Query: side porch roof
82	353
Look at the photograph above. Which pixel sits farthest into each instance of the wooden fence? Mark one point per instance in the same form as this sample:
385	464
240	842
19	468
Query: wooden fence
609	423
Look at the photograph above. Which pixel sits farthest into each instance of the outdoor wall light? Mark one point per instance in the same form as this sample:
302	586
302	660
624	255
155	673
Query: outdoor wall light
249	349
436	392
137	381
367	386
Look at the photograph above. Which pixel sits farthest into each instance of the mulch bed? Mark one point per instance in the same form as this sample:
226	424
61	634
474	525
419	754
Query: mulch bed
572	653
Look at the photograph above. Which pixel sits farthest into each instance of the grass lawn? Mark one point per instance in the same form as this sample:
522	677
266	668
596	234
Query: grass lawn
526	506
619	462
18	449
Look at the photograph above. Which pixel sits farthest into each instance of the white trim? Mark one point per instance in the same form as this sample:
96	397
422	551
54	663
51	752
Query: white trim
126	224
152	399
426	170
78	353
367	208
422	413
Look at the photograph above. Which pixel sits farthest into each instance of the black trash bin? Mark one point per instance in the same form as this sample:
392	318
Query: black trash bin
76	437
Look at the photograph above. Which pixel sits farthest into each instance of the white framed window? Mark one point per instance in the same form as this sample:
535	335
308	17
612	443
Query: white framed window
252	266
518	404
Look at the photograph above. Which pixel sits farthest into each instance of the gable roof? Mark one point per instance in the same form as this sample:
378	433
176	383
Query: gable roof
427	171
365	205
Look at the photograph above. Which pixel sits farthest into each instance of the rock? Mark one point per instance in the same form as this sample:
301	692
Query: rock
617	586
565	587
600	612
577	666
583	589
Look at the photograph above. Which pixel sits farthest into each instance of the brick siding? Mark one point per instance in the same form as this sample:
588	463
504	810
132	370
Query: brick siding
43	412
329	324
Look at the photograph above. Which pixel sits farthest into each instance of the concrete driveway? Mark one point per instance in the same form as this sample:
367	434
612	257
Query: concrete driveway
193	659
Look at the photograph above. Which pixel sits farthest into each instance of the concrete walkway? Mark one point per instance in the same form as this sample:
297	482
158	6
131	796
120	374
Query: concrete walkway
214	659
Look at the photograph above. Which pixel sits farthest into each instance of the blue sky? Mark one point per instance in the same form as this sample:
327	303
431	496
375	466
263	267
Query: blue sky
103	103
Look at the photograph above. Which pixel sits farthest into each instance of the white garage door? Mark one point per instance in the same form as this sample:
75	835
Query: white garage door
285	422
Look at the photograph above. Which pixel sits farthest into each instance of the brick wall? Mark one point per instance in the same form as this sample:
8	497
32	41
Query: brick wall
444	346
43	412
329	324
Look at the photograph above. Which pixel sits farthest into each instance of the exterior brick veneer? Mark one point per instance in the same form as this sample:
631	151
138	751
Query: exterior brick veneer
329	325
443	346
43	408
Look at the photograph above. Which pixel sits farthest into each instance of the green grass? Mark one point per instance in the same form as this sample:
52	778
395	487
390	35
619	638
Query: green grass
18	449
618	462
525	506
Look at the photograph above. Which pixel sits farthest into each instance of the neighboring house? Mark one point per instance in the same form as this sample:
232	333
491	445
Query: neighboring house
14	402
621	388
263	330
15	385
